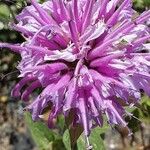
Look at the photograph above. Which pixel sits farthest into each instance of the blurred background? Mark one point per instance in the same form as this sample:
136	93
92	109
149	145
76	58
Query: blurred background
15	132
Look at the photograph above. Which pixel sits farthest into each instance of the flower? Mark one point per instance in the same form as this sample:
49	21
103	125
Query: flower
91	56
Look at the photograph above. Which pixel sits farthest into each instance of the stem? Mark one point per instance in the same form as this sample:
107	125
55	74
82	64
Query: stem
74	146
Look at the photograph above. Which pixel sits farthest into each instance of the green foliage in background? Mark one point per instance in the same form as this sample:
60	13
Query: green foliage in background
140	114
141	5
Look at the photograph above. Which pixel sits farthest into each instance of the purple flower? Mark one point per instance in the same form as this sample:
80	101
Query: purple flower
86	55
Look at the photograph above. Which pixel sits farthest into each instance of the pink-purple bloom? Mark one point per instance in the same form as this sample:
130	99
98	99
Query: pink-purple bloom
88	55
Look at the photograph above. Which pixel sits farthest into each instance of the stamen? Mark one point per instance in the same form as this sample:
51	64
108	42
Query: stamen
89	147
2	76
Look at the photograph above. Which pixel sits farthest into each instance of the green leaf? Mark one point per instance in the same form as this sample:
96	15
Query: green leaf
57	145
66	140
41	134
61	123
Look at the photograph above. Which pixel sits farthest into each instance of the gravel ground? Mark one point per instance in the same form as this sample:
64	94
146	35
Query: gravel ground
14	134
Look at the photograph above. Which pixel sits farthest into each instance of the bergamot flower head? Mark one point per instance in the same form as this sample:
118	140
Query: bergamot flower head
86	55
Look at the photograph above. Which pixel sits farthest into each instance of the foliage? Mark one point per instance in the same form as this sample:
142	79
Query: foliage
47	139
140	5
140	114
